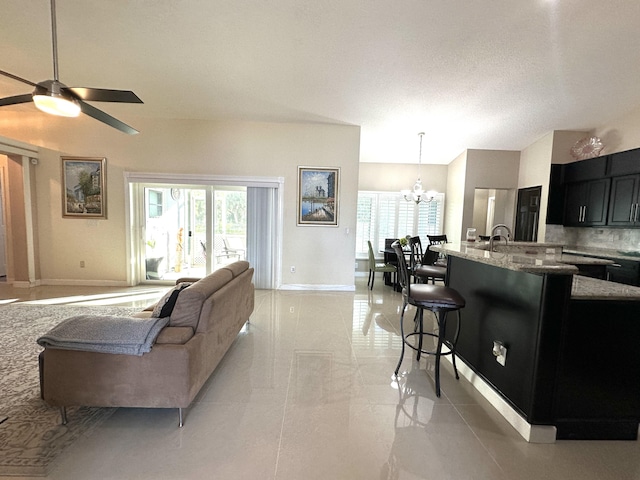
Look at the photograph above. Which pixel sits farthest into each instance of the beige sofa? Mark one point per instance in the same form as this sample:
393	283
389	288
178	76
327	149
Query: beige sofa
203	324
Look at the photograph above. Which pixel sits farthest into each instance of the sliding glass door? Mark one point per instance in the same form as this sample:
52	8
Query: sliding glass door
192	231
191	225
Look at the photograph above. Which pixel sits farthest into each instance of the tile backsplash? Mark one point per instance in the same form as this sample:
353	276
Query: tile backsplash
627	239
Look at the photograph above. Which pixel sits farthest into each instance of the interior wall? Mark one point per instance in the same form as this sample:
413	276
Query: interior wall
492	169
480	206
455	198
505	207
535	168
5	212
621	133
190	147
17	259
386	177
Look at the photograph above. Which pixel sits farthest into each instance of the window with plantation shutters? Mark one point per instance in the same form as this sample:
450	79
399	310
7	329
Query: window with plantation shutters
388	215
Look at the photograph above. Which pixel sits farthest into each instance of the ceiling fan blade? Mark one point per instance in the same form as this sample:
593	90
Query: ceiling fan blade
105	95
106	118
27	97
20	79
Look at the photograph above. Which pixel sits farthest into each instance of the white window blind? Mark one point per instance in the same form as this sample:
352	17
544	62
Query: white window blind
388	215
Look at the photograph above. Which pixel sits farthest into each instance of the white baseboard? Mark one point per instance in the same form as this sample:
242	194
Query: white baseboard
531	433
84	283
335	288
24	284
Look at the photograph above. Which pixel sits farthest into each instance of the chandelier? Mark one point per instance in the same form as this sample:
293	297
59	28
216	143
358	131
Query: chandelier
417	194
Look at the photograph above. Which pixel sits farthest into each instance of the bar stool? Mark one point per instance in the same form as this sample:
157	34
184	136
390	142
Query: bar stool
428	270
437	299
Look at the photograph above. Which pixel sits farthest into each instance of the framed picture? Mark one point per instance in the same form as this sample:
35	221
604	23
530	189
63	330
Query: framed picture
318	192
83	187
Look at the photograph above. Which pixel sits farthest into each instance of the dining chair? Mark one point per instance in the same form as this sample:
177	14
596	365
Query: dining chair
378	267
415	257
439	240
429	269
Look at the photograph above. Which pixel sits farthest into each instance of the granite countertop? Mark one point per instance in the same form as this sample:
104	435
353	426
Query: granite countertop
602	252
547	258
587	288
575	259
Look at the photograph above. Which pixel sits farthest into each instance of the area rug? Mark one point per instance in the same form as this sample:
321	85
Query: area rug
32	437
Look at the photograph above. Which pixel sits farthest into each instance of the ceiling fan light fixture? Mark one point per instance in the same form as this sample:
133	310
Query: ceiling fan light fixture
56	105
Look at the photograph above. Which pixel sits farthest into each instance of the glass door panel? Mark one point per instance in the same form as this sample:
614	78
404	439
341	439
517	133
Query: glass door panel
175	232
186	234
230	225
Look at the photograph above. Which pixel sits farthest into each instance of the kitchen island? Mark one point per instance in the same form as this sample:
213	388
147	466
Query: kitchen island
572	363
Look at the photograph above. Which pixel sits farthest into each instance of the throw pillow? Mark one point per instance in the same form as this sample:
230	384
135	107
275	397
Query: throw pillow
165	306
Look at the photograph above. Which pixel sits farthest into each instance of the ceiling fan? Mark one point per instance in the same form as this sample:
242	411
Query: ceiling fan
54	97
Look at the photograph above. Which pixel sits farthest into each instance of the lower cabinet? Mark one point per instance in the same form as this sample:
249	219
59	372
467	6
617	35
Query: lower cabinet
624	271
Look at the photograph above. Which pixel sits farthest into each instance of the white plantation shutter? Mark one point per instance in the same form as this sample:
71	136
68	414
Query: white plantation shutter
365	222
430	216
388	215
386	220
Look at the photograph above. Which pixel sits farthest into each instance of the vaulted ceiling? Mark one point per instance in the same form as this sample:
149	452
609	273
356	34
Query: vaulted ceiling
470	74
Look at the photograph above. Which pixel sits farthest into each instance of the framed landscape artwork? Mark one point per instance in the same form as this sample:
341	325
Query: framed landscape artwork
83	187
318	191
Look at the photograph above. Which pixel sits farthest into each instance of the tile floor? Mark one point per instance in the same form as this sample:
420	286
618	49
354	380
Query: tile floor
306	392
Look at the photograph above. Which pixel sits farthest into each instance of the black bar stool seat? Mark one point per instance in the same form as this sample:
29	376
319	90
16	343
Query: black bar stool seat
437	297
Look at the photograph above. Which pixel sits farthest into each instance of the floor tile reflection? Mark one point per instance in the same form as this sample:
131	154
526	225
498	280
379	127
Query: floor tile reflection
307	391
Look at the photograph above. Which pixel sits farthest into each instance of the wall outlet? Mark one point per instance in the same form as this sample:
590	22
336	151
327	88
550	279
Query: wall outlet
293	269
500	352
81	263
502	359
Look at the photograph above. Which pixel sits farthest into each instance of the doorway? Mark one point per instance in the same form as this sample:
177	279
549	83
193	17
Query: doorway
528	212
492	206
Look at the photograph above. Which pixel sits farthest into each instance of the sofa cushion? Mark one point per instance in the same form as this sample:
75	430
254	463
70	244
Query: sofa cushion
175	335
165	306
186	312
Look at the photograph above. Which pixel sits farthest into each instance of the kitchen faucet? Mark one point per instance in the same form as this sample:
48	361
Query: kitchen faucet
493	234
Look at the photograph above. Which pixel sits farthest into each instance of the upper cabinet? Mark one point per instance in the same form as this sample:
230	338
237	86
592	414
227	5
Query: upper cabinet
624	163
602	191
586	203
585	169
555	204
624	203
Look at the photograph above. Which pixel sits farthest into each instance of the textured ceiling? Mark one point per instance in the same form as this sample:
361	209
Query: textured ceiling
471	74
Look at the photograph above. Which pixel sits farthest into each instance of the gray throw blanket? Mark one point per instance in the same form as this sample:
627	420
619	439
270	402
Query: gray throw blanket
106	334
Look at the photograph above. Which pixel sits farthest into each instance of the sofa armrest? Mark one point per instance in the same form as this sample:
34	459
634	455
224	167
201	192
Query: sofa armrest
174	335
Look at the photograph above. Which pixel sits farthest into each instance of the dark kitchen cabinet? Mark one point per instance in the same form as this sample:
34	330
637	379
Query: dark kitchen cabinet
624	163
624	204
555	204
591	169
624	271
586	203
